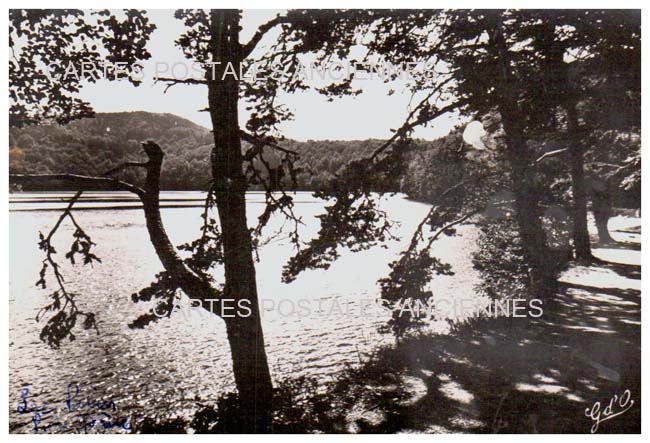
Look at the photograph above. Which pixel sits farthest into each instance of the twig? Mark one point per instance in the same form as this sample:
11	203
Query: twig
550	154
175	81
262	142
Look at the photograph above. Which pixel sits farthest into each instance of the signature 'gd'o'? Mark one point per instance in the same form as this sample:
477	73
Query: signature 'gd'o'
624	403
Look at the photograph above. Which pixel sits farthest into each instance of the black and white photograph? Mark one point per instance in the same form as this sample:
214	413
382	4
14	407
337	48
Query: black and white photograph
323	221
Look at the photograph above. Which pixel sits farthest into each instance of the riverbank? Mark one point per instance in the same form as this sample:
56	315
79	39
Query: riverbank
554	374
519	375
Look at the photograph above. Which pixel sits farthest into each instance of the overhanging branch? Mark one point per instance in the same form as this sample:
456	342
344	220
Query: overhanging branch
409	126
248	48
79	182
250	138
176	81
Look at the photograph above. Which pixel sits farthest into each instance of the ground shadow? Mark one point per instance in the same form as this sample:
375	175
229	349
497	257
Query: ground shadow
514	375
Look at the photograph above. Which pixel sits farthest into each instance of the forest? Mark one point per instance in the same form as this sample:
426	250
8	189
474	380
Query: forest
46	149
91	146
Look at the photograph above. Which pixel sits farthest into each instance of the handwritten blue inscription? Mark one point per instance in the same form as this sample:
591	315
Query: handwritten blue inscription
76	413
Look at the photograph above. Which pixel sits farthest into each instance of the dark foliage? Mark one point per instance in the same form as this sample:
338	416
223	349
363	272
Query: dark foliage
45	63
299	407
91	146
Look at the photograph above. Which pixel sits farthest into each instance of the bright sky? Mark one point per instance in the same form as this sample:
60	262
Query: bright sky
369	115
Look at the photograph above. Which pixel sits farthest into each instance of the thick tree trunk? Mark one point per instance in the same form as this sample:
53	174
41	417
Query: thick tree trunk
581	241
528	213
250	366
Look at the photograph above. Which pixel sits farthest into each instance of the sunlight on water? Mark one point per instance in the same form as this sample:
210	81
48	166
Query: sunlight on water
168	365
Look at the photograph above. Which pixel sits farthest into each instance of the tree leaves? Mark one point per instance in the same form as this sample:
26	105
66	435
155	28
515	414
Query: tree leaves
48	45
81	246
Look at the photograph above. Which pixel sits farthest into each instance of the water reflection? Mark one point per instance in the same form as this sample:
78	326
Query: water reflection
171	364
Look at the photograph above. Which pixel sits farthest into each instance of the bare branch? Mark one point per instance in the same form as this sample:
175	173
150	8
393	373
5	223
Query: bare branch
79	182
451	225
250	138
248	48
65	213
124	165
175	81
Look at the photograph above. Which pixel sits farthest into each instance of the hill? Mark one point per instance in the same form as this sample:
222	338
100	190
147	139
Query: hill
94	145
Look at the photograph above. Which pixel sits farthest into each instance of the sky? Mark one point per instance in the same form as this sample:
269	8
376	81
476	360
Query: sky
371	114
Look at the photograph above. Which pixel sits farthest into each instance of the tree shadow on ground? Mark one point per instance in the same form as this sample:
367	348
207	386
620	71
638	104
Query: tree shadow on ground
512	375
632	246
624	270
489	375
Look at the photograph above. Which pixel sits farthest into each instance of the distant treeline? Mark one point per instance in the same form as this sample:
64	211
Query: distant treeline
95	145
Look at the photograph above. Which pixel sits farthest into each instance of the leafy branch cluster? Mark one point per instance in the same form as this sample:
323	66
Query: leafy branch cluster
35	40
64	306
355	218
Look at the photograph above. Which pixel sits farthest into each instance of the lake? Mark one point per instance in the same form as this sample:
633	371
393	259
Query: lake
169	364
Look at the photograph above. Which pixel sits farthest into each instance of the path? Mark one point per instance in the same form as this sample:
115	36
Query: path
524	375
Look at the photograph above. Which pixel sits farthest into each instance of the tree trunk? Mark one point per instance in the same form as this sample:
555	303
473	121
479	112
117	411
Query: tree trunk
528	213
244	333
250	366
603	231
581	242
602	208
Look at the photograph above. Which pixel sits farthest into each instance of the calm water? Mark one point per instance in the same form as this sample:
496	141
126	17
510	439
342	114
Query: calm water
170	363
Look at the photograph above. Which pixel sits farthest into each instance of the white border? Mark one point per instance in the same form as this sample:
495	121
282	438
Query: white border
259	4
